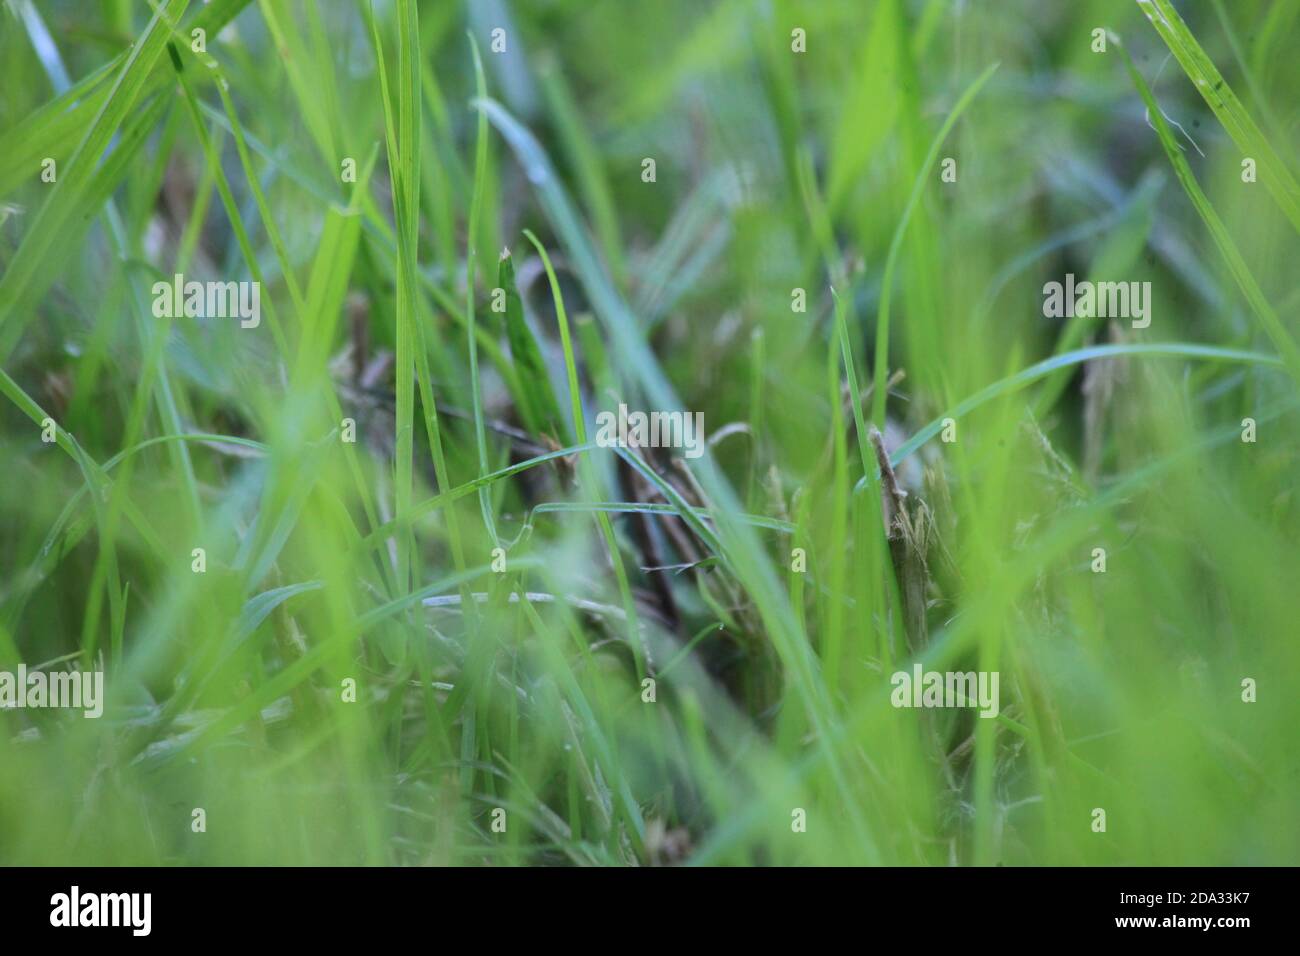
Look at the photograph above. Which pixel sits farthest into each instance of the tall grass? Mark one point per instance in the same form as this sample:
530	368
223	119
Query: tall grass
477	635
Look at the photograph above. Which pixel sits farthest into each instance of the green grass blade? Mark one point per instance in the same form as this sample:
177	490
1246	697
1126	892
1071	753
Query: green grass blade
471	266
1241	273
538	405
29	272
1218	95
878	393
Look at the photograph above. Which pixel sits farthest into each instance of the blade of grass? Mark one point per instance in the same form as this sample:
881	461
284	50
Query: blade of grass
1245	280
1218	95
880	375
432	428
30	270
589	480
538	405
1033	373
471	264
53	130
403	169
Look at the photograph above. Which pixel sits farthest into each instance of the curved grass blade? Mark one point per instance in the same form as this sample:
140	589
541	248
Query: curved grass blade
1033	373
30	271
896	244
52	130
584	464
1273	327
1216	92
538	405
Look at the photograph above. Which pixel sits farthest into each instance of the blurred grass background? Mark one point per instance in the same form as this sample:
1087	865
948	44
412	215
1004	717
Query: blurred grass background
524	689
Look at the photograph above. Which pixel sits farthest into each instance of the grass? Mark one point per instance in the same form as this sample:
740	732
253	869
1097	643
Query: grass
438	622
